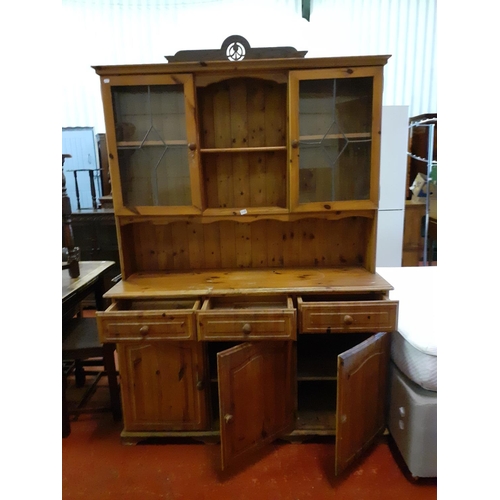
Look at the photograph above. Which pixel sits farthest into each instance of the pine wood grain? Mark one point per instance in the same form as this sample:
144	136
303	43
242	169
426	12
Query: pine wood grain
249	281
159	385
262	243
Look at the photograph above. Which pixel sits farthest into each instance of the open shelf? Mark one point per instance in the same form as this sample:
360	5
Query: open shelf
352	136
255	149
317	422
138	144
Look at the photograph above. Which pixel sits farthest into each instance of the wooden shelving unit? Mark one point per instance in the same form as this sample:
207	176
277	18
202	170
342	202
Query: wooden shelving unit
257	202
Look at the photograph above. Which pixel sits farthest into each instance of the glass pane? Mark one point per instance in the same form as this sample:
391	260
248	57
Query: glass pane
152	145
335	139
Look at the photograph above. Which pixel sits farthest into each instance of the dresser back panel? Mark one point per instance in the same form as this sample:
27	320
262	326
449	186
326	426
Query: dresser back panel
245	179
184	245
242	112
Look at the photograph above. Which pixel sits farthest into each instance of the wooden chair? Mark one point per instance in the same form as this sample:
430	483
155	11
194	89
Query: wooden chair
81	349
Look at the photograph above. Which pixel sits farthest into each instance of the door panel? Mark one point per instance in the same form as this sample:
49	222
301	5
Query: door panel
334	133
361	398
160	386
79	142
255	397
151	133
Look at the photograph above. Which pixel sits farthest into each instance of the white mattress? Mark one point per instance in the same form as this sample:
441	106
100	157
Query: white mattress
414	345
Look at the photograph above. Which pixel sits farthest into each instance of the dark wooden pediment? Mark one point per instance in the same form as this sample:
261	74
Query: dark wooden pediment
235	48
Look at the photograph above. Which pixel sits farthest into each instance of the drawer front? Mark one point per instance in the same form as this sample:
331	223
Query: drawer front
344	317
277	324
115	325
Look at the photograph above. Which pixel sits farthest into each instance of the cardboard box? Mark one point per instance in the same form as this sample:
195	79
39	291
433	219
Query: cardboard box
419	187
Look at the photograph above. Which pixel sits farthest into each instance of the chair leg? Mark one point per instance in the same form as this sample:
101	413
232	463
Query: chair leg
114	391
79	373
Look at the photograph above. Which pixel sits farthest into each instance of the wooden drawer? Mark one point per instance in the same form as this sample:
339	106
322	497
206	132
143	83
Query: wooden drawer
148	319
263	318
320	315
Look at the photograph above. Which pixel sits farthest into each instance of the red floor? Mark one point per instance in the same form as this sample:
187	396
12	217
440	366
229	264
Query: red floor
97	466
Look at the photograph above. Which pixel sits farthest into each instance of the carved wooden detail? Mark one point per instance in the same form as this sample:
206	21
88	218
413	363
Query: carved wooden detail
235	48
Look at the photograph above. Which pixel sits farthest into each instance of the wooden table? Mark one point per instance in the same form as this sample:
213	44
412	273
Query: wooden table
74	290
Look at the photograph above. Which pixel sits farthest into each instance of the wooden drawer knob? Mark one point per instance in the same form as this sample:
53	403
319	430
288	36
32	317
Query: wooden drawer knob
348	320
144	330
295	144
228	418
246	328
192	146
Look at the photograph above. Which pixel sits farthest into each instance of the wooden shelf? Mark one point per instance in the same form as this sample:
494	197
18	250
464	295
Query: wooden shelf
312	377
239	212
211	215
314	370
137	144
360	135
315	420
256	149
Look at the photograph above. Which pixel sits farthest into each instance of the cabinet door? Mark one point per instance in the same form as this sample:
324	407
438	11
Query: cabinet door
162	386
152	144
335	122
255	397
361	398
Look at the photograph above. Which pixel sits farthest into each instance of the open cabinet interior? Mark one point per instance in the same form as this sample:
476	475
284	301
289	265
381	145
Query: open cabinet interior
317	359
316	380
250	405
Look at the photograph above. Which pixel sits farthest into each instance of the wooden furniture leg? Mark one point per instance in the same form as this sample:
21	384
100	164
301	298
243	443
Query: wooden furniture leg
66	427
114	390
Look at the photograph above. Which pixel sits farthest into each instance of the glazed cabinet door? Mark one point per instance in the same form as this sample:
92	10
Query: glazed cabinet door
335	120
256	403
152	144
361	398
163	386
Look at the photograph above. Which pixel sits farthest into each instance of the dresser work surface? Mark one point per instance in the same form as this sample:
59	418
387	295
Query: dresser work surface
252	281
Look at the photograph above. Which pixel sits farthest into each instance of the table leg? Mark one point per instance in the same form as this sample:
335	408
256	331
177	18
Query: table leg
66	427
98	293
114	390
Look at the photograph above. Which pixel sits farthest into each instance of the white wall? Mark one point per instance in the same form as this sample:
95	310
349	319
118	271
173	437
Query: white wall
102	32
